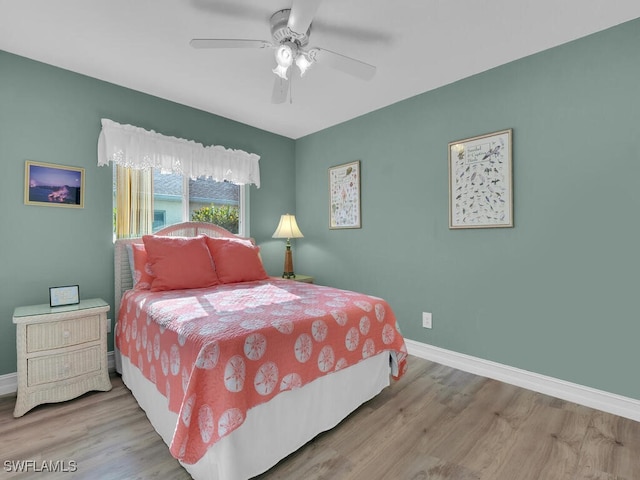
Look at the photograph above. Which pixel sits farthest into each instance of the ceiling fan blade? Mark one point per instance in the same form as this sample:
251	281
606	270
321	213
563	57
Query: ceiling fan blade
280	90
228	43
345	64
301	15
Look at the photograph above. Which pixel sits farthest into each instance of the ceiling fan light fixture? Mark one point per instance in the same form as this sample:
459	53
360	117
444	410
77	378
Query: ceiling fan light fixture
285	55
303	63
281	71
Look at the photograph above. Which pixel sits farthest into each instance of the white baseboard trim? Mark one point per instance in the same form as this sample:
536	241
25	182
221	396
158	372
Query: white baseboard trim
9	382
572	392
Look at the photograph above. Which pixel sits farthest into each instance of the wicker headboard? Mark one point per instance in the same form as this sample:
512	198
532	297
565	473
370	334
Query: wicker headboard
123	278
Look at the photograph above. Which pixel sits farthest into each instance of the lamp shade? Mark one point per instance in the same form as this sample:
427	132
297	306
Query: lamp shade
287	228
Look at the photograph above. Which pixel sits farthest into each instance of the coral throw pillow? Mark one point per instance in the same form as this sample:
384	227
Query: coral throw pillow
142	276
179	262
236	260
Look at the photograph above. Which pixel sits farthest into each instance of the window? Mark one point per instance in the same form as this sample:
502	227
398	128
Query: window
134	151
145	202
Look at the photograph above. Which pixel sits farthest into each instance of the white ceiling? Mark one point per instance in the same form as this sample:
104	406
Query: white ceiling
417	45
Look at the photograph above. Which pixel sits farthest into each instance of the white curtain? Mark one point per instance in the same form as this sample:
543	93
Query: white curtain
137	148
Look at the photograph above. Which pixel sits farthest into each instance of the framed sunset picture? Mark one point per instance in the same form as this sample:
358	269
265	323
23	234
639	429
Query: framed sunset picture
51	185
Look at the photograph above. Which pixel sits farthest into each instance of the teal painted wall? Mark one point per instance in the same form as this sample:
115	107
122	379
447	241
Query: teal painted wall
558	293
52	115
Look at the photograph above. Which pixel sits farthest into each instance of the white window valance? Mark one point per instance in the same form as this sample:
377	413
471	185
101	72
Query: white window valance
137	148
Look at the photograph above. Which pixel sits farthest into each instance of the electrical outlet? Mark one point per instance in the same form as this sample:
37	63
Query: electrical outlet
426	319
108	325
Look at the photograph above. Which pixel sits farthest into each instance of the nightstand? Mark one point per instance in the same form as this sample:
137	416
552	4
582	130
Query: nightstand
62	352
302	278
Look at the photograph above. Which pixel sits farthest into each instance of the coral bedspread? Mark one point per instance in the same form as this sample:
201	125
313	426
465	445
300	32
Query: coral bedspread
217	352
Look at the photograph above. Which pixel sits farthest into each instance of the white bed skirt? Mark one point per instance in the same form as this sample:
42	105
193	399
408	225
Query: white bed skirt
273	430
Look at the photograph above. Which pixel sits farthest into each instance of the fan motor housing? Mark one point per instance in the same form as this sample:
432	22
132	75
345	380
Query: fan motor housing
282	33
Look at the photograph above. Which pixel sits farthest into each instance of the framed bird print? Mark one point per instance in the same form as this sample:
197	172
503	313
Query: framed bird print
480	181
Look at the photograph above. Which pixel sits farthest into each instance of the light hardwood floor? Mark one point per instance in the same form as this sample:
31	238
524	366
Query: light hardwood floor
436	423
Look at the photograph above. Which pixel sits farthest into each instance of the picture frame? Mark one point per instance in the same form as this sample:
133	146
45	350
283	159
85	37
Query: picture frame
61	296
481	181
51	185
344	196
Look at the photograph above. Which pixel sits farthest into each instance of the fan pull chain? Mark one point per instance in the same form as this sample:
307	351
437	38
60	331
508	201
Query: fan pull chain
291	90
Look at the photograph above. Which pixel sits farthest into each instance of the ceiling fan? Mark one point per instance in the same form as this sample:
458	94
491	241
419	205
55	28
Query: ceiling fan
290	30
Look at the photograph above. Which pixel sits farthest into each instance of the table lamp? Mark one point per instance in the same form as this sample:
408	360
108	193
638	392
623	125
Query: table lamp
288	228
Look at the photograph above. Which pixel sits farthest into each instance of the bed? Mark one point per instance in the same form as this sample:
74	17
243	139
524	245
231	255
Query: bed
236	373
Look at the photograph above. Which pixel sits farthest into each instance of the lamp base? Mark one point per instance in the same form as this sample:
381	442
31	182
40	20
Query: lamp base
288	263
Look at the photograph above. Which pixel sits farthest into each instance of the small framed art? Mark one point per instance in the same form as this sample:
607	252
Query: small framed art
67	295
480	181
344	196
53	185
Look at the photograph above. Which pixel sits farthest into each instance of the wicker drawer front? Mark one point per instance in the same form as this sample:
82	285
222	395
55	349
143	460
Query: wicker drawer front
54	368
45	336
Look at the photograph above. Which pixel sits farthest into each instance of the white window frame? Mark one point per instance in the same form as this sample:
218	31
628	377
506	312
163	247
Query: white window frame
243	199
